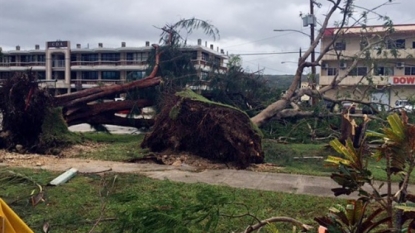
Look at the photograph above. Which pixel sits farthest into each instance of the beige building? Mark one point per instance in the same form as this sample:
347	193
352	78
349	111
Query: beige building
69	69
388	78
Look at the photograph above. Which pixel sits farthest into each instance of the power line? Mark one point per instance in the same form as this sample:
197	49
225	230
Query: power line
275	53
250	42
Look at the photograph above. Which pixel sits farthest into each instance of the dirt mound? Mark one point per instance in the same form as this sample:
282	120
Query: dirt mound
188	122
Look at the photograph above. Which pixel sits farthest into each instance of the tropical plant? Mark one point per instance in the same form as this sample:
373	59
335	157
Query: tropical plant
171	32
352	218
353	175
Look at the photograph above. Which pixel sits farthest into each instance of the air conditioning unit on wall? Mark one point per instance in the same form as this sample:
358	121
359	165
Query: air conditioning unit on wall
325	66
343	65
400	65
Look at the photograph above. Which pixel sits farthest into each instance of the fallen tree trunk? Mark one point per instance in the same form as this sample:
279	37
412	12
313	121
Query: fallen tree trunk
78	107
110	119
85	112
88	95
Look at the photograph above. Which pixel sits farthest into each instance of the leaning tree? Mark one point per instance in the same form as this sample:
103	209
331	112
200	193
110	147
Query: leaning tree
287	105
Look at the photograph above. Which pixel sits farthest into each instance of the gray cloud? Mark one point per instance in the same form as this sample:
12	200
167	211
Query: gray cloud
246	26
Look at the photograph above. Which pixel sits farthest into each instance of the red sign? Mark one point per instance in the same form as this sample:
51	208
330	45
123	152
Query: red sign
403	80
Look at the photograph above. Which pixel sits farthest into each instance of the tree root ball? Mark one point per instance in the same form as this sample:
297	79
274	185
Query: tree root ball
191	123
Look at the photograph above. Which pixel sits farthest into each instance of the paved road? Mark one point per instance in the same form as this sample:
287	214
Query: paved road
289	183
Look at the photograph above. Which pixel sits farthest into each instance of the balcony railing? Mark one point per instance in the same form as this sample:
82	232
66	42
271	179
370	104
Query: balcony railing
28	64
96	81
107	63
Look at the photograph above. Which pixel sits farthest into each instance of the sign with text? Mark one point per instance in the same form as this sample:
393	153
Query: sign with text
57	44
402	80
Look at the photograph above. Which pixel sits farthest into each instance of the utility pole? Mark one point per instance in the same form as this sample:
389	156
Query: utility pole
313	54
299	83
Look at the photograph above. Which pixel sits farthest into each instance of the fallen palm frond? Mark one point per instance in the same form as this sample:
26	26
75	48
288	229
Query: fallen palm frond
9	177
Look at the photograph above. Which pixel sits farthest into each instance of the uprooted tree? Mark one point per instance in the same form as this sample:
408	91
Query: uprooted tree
35	121
192	123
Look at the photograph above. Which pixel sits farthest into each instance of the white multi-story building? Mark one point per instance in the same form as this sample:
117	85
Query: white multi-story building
390	78
69	69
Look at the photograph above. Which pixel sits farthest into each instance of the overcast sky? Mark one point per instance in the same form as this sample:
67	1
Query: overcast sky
246	26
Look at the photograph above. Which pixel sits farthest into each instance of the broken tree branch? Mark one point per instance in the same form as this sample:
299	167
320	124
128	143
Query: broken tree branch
252	228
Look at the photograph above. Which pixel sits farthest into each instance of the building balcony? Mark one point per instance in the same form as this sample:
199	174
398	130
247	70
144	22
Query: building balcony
204	66
108	65
355	80
22	66
89	83
342	55
348	54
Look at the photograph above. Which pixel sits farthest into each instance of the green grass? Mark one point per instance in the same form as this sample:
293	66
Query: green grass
115	147
289	157
77	204
283	156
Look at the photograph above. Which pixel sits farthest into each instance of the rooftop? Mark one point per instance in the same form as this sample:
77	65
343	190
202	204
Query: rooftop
399	28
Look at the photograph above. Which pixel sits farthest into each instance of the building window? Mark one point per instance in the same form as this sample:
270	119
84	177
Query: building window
382	70
25	58
93	75
89	57
396	44
410	70
130	57
73	57
144	56
413	44
41	58
358	71
217	61
111	75
73	75
205	56
204	76
340	46
331	71
192	55
363	43
5	75
135	75
41	75
110	57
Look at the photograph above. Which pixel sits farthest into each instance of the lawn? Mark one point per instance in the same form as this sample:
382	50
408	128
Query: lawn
119	199
284	155
125	201
114	147
289	158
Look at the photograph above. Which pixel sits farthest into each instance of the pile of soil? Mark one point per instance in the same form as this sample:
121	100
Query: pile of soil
191	123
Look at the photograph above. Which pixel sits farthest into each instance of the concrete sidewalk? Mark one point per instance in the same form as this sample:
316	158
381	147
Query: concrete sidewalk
278	182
